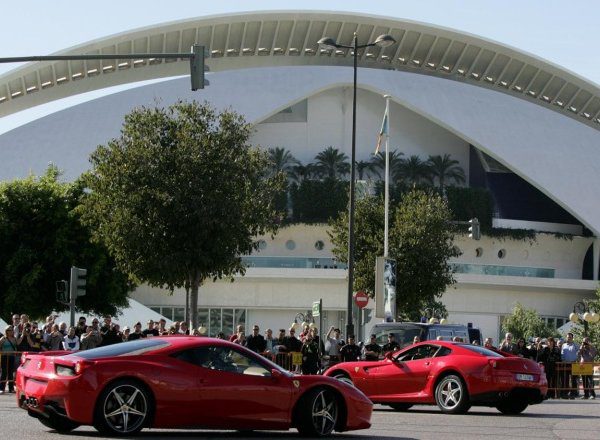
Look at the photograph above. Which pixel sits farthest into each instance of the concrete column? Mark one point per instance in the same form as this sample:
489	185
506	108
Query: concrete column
596	259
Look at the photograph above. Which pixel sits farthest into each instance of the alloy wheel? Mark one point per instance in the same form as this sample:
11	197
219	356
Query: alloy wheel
324	412
125	408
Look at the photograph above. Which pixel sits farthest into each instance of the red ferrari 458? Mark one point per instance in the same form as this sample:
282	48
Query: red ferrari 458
182	382
454	376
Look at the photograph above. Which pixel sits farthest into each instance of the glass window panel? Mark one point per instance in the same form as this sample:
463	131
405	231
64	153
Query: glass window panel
559	322
240	317
551	323
215	322
167	312
178	313
203	317
227	323
156	309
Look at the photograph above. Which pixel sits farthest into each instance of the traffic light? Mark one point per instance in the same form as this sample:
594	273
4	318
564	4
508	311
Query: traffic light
62	288
197	67
78	281
474	229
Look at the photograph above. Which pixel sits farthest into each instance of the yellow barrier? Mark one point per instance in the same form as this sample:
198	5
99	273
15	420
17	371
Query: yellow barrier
573	379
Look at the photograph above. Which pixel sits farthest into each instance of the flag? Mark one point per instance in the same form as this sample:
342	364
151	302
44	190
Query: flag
383	131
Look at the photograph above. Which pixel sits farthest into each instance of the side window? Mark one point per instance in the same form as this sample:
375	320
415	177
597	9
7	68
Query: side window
408	355
443	351
223	359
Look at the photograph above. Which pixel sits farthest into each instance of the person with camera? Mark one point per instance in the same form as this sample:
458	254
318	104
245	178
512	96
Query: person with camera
333	345
90	339
587	353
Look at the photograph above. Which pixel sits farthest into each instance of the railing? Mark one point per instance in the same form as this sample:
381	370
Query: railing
293	262
573	379
9	362
511	271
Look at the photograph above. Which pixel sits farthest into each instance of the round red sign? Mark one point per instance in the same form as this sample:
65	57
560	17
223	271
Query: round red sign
361	299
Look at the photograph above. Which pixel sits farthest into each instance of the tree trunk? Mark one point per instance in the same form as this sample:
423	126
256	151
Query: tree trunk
187	303
195	284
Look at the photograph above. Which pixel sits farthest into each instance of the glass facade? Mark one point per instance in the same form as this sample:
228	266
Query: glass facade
511	271
214	319
294	262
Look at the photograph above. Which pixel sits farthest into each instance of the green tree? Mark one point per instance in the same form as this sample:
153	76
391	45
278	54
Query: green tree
42	237
413	171
593	328
420	239
445	170
281	161
526	323
396	161
180	196
332	163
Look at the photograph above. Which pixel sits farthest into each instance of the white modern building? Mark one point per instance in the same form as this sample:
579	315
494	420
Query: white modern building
527	130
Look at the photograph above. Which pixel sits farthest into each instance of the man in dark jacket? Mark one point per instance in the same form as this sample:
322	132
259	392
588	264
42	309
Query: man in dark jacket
350	352
256	342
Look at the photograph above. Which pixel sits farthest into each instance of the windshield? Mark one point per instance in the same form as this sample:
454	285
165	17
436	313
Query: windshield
481	350
123	349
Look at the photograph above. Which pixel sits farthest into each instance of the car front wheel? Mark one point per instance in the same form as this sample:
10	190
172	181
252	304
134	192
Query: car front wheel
318	413
451	395
123	408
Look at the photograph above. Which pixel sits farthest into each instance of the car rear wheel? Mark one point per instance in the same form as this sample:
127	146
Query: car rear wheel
512	407
400	406
318	413
61	425
123	408
451	395
343	377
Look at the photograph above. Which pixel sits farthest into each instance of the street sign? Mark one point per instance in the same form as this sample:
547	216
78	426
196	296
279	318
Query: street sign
361	299
316	308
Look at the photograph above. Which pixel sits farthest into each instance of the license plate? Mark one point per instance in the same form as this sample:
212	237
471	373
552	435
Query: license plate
525	377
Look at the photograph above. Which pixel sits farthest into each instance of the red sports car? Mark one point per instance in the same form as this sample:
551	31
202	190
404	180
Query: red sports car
452	375
182	382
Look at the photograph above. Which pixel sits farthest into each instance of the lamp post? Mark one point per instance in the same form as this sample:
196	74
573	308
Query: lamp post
581	311
329	43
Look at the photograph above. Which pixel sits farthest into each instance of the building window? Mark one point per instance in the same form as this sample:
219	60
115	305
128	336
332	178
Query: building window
478	252
502	253
319	245
215	320
290	245
262	245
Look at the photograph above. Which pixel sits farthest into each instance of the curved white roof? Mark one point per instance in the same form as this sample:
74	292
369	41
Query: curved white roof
262	39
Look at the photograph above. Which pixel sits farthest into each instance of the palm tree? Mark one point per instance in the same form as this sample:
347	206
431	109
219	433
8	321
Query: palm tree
413	170
378	165
301	172
445	170
362	167
281	161
332	163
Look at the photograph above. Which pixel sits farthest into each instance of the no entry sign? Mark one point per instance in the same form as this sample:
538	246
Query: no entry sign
361	299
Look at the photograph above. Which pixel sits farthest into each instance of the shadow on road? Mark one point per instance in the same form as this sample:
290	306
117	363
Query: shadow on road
472	412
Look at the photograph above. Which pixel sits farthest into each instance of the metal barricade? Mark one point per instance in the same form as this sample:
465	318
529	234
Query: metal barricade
9	362
573	379
288	361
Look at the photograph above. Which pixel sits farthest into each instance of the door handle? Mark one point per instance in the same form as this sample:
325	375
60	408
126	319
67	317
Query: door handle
427	363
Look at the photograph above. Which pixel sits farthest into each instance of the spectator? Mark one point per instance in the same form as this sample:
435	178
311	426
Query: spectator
62	328
391	345
80	329
536	349
240	328
8	345
292	343
36	339
16	320
106	326
151	330
587	353
315	334
333	345
221	335
56	338
23	320
96	325
270	343
489	343
162	326
416	340
507	345
111	336
71	340
137	332
350	352
280	341
372	350
183	328
90	339
568	353
550	356
305	332
454	339
241	338
522	350
475	342
255	341
126	333
310	354
25	341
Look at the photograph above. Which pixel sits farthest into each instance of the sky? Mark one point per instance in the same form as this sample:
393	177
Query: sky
563	32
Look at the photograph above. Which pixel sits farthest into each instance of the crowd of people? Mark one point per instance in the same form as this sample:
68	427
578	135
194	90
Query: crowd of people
316	353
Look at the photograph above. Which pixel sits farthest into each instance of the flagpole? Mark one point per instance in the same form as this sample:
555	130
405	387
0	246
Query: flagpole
387	177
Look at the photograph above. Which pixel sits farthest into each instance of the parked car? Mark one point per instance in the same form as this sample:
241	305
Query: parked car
453	376
405	332
182	382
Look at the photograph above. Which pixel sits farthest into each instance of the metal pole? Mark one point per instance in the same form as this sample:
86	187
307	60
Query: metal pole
349	323
72	294
387	177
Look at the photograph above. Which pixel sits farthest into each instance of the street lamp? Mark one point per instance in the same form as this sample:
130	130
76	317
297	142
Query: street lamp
581	311
329	43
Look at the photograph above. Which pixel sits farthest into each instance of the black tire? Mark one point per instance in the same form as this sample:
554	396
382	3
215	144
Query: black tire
123	408
512	407
343	377
451	395
61	425
318	413
400	406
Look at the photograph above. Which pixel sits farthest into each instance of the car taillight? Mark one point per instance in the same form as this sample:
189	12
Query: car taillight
24	362
493	363
79	366
63	370
24	358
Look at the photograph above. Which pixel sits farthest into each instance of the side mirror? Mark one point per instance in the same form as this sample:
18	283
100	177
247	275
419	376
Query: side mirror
389	355
276	374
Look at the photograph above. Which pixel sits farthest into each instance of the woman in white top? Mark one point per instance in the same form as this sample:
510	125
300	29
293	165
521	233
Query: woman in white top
71	340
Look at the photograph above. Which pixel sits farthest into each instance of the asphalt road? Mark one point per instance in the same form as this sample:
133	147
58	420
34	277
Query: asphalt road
572	419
